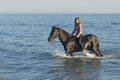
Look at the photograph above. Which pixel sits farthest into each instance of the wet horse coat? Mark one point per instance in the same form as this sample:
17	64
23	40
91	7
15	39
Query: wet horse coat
70	43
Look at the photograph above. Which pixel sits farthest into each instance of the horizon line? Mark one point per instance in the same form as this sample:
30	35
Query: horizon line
53	13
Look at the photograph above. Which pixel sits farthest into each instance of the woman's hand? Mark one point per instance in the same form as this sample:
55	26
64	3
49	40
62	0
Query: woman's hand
77	36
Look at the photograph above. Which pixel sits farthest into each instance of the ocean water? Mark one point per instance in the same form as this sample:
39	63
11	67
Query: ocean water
25	53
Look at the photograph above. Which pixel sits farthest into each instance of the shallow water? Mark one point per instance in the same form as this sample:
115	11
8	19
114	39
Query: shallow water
25	53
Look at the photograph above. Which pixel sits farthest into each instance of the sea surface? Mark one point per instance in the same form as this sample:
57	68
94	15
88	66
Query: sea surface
25	53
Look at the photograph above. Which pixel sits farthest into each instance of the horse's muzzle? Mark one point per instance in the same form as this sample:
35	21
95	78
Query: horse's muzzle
50	40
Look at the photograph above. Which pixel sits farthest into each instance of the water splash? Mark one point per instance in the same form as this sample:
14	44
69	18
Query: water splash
61	54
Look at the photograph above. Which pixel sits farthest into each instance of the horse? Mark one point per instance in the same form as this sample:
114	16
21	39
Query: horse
70	43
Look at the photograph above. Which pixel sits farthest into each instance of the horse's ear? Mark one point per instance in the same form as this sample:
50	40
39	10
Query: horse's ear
53	26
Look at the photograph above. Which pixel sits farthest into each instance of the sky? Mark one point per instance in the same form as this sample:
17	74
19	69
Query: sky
59	6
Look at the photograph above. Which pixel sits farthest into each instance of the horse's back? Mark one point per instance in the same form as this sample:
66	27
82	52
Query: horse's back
89	40
90	35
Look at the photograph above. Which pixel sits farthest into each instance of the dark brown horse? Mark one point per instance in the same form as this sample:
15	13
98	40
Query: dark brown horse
71	44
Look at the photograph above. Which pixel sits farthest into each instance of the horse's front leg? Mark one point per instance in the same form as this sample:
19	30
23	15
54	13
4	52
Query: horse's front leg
69	48
68	52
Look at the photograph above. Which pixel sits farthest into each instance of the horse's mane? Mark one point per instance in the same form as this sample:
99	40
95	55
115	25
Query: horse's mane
65	35
61	30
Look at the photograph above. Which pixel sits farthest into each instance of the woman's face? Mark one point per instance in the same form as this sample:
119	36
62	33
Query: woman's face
77	21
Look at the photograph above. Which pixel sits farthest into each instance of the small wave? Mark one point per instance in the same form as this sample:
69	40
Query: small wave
114	23
91	25
16	24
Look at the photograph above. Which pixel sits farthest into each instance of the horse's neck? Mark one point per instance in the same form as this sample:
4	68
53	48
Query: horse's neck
63	36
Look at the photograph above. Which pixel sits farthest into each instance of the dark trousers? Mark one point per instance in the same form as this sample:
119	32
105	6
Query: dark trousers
79	39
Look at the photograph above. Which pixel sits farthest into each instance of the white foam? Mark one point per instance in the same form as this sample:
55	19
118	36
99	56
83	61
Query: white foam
59	53
89	55
62	54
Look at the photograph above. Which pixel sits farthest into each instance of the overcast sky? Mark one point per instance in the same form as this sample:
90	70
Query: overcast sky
59	6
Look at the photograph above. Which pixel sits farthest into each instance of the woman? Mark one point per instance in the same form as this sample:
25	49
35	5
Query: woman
78	31
77	28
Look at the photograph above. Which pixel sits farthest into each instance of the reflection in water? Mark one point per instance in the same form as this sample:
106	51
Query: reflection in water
77	69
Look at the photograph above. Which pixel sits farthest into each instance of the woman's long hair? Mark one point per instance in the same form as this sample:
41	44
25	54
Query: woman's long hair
79	22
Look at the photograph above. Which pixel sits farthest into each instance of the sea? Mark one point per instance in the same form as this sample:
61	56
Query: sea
26	54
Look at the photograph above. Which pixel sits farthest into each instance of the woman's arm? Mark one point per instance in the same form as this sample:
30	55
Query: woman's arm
81	29
73	31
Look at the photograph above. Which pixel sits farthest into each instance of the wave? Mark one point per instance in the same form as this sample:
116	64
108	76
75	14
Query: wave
114	23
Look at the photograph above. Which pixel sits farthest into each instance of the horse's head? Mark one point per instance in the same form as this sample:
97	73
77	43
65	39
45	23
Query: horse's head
53	34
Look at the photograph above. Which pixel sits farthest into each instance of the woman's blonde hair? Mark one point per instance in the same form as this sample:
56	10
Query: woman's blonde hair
79	22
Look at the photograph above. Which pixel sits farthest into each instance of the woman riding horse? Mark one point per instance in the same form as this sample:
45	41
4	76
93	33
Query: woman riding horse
88	42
